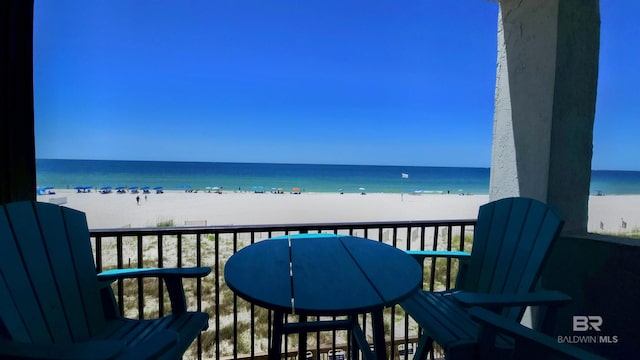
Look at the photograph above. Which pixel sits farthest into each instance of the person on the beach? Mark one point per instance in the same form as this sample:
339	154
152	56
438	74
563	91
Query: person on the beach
138	199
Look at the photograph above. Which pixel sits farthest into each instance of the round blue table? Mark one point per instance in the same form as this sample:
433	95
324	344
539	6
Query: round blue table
323	274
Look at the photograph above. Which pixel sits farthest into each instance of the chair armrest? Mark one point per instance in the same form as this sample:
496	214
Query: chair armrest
542	297
462	256
96	349
420	255
115	274
534	339
171	276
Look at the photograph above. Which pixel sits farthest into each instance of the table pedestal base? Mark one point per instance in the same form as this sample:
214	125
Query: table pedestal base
303	327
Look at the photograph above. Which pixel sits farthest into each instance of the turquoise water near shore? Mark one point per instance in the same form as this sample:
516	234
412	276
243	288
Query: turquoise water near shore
67	174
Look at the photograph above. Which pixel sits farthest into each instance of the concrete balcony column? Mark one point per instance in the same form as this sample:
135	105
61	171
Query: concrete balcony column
545	99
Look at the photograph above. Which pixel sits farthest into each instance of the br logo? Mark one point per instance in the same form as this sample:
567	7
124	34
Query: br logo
586	323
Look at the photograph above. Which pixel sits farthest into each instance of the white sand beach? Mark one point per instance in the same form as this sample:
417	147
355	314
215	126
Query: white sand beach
613	214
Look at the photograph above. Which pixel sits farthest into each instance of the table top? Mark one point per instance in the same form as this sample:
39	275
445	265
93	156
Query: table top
320	274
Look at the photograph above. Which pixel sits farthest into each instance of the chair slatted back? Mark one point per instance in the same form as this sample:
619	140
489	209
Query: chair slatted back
512	239
49	292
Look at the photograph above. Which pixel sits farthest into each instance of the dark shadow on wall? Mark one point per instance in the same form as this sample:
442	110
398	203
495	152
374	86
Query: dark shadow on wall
17	144
602	276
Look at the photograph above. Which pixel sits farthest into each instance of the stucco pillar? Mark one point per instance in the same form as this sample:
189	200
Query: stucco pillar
545	104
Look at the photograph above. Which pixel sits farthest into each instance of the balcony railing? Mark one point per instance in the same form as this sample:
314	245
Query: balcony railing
238	329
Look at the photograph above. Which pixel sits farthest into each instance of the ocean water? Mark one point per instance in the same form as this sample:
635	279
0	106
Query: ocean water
68	174
615	182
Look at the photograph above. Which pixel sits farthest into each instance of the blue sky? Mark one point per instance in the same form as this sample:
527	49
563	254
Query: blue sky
335	82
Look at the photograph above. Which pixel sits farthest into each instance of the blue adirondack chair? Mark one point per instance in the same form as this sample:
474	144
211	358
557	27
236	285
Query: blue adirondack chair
53	305
529	344
512	238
